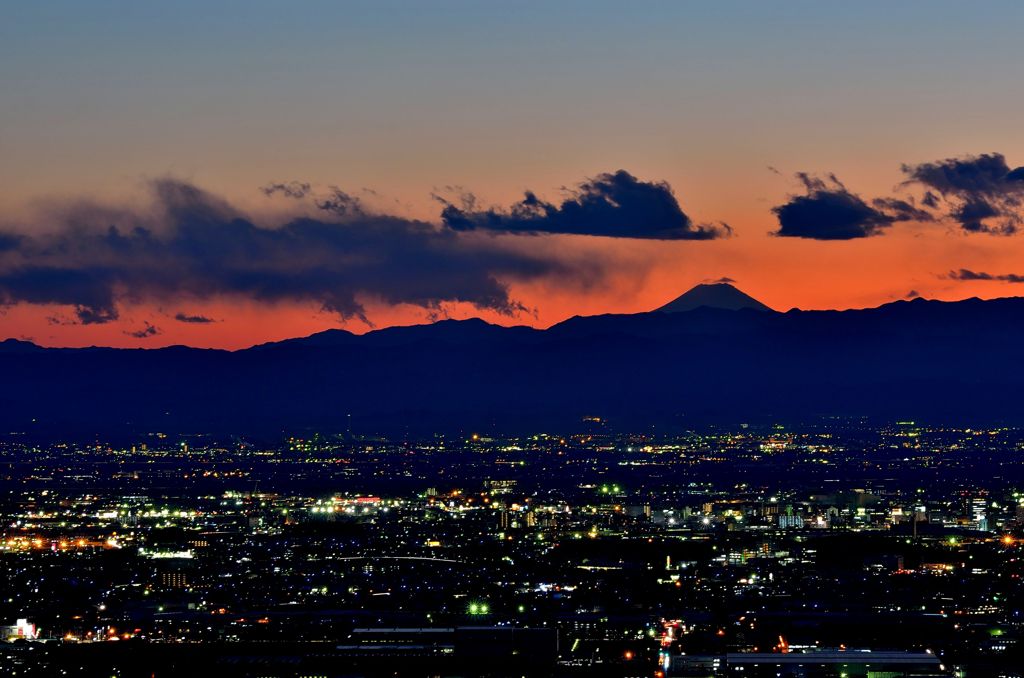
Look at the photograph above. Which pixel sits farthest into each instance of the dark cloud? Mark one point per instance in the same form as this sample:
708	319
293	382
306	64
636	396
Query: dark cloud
289	189
197	246
9	241
972	215
830	211
335	201
195	319
912	294
981	192
616	205
340	203
902	210
146	332
90	290
967	275
95	316
724	279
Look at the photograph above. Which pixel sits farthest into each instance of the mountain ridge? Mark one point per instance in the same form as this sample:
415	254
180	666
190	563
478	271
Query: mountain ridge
924	359
336	336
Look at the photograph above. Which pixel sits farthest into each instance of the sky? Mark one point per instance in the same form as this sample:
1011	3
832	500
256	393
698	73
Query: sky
222	174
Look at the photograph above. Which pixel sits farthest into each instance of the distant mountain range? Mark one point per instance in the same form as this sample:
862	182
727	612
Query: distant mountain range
690	363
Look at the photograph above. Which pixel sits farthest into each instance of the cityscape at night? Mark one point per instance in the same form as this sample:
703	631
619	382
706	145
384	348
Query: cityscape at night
511	339
852	548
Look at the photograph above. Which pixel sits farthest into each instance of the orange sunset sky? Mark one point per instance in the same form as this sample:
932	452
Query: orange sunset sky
719	104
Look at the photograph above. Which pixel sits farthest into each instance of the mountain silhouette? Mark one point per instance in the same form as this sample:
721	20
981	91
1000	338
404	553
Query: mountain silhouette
713	295
947	362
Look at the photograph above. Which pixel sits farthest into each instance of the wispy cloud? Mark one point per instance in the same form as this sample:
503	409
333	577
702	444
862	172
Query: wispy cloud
967	275
193	319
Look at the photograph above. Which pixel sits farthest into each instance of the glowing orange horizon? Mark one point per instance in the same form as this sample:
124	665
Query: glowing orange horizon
783	273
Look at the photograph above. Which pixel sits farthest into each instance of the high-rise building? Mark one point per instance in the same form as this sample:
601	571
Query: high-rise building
979	513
